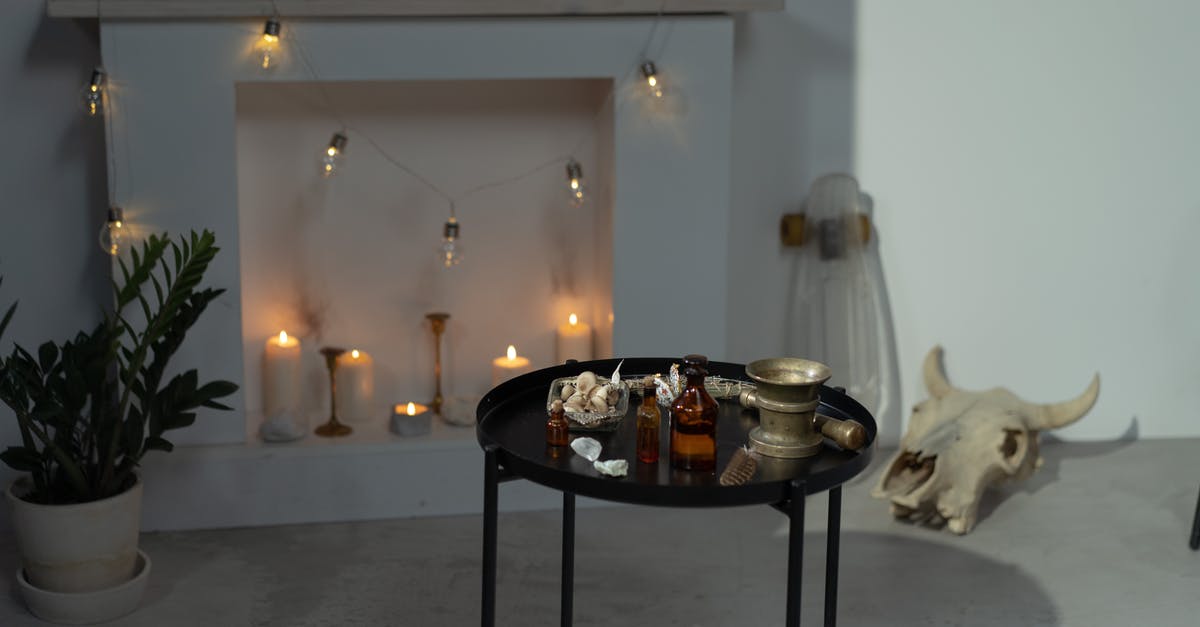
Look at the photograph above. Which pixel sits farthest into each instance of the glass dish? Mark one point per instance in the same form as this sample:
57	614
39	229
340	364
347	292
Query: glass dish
592	421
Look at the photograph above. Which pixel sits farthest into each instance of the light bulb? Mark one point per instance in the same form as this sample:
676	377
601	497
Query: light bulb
113	234
93	94
354	354
576	192
411	410
572	320
511	352
334	155
451	251
653	82
268	45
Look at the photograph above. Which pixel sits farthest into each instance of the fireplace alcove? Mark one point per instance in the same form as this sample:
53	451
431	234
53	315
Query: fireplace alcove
662	180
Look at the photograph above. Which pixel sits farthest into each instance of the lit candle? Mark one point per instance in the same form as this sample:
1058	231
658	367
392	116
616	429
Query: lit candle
574	340
411	419
281	375
355	386
509	366
411	409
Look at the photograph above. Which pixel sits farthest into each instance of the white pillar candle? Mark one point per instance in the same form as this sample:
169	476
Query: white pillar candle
281	375
355	386
574	340
509	366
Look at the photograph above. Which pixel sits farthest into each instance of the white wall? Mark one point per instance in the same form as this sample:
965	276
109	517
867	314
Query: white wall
52	177
1033	165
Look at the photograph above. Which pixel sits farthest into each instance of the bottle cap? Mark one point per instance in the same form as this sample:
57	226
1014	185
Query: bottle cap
695	365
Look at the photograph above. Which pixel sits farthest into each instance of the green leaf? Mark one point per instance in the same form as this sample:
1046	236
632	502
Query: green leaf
178	421
135	431
21	459
159	444
215	390
47	355
7	317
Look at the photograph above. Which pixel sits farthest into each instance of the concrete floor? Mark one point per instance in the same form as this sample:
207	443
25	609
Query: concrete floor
1097	538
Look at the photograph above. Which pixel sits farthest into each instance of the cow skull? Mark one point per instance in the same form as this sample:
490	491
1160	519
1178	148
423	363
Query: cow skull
958	443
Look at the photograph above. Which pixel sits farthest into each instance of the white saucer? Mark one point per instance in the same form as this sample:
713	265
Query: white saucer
84	608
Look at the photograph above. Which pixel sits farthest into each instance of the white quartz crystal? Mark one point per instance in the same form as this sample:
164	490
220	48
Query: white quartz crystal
587	448
612	467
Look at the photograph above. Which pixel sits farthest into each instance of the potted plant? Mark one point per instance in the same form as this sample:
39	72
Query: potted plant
90	408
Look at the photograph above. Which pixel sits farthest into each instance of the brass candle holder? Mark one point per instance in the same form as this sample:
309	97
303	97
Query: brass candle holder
332	428
437	320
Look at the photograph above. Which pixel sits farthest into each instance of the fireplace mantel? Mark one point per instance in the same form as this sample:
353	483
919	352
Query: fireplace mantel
199	9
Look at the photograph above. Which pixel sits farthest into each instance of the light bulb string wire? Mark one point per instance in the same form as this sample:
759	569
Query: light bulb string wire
451	200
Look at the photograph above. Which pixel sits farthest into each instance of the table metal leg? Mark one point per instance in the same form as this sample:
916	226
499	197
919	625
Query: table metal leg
833	535
491	481
795	551
1195	543
568	558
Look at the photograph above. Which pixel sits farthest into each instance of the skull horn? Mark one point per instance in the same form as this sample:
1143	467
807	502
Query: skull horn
1056	415
935	377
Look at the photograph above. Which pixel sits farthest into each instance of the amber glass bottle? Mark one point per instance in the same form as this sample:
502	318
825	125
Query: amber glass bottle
694	420
648	420
556	426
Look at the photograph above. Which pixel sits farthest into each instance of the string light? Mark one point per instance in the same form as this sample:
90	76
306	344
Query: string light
113	233
333	154
93	94
269	44
650	73
451	251
576	192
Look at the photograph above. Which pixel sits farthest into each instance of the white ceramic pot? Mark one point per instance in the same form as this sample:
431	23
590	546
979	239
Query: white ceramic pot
77	548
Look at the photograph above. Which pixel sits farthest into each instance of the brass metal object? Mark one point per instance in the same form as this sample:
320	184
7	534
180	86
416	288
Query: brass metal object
437	320
793	227
786	398
332	428
846	433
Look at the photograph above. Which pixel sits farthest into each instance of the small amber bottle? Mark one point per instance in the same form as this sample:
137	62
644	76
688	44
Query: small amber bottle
694	420
648	420
556	426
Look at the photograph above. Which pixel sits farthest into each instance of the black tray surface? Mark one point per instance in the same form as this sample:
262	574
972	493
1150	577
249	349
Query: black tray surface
512	416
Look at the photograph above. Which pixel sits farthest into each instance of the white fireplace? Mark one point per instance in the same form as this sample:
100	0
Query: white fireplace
204	138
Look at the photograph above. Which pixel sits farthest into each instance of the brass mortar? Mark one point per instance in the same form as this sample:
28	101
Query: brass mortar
786	398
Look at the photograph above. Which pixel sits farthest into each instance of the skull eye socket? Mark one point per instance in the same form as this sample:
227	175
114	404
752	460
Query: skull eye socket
1012	443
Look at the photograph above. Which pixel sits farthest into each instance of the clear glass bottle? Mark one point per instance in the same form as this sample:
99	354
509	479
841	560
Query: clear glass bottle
694	420
648	420
556	426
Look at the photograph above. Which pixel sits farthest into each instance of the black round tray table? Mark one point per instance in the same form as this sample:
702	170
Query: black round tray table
510	427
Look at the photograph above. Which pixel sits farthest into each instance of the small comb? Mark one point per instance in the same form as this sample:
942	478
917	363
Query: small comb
740	468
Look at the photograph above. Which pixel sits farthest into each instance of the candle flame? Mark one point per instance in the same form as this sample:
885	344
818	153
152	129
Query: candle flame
282	337
412	409
512	352
573	319
354	354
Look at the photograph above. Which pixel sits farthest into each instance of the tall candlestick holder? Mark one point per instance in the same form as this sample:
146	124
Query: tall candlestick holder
332	428
437	320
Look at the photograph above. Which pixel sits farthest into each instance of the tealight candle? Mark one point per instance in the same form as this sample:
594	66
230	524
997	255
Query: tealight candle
411	419
574	340
281	375
355	386
509	366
